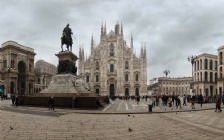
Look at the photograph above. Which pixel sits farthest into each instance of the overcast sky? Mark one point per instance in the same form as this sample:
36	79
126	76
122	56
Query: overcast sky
172	29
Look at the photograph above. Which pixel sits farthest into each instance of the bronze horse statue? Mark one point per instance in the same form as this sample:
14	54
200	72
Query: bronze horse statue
66	41
67	38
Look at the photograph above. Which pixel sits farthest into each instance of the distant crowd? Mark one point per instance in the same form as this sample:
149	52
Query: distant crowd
177	100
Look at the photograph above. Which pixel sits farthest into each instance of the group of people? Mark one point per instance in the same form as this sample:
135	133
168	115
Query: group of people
15	100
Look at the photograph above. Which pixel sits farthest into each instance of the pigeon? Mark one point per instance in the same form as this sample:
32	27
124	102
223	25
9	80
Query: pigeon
81	123
133	116
128	115
11	127
129	129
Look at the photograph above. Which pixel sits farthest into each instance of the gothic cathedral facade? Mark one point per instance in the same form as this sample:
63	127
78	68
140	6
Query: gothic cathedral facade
113	69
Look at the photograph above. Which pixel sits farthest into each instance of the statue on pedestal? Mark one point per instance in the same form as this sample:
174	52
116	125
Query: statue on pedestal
67	38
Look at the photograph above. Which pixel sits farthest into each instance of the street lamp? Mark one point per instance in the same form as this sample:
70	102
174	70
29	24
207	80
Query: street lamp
192	60
9	69
166	72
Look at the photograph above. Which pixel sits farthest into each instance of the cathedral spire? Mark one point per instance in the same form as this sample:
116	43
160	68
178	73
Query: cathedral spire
80	53
92	41
105	29
121	29
142	49
145	50
131	41
102	29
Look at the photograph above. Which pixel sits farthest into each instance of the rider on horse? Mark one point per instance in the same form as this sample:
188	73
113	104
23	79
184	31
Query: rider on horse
67	37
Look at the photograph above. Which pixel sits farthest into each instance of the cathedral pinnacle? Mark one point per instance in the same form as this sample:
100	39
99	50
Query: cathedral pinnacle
131	41
105	29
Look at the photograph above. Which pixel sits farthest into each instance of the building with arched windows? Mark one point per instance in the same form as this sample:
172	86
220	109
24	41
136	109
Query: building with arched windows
113	68
170	86
220	80
43	75
205	74
17	68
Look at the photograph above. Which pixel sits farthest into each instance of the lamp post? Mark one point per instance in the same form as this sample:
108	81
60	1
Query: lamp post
192	60
9	69
166	72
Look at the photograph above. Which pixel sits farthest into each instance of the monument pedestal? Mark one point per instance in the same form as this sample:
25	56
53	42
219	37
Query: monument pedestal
66	81
66	87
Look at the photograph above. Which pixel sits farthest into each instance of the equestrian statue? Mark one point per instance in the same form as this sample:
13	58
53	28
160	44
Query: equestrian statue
67	38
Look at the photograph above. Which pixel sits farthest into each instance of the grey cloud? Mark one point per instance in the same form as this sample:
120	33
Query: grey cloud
172	29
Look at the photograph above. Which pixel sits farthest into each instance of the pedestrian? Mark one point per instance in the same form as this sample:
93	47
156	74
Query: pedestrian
170	101
181	100
73	102
52	103
153	101
178	102
16	101
138	99
49	103
223	99
173	98
200	99
192	101
184	100
218	104
13	100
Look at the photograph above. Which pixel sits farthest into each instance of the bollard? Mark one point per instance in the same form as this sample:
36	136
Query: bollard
150	107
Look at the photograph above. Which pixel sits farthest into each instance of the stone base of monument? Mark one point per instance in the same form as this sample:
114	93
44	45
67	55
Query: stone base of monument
78	102
68	89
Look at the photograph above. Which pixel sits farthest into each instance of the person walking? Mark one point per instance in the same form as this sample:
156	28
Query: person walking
192	101
200	99
218	104
184	100
13	100
178	103
16	101
223	99
52	103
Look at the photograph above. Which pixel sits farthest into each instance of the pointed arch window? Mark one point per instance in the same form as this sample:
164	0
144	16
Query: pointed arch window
111	67
111	47
136	77
87	78
97	65
126	65
126	77
97	78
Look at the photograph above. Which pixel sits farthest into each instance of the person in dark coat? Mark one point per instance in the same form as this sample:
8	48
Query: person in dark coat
52	103
16	101
218	104
200	99
13	99
193	98
49	103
